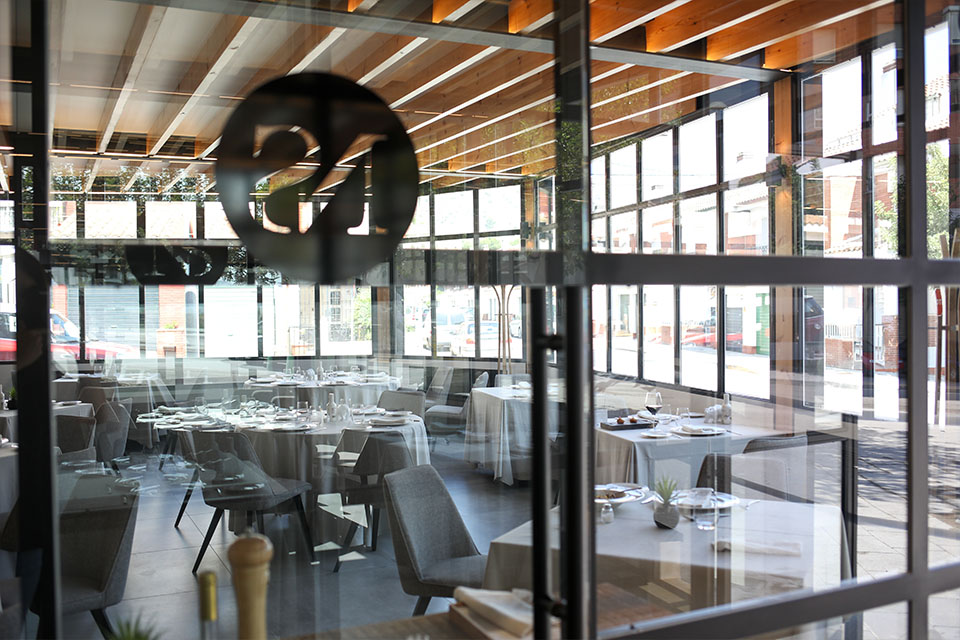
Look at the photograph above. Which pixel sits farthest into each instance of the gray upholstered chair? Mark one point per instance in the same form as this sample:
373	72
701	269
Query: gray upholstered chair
96	536
237	482
439	387
443	420
413	401
97	395
362	480
77	434
434	550
11	610
113	425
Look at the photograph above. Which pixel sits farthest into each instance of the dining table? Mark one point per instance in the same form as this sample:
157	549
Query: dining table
354	389
643	454
498	431
300	446
758	548
8	417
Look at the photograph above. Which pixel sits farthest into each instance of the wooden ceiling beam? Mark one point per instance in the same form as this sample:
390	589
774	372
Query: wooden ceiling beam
785	22
702	18
608	18
228	37
92	175
142	34
452	10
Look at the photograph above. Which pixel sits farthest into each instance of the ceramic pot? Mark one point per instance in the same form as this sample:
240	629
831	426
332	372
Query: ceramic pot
667	516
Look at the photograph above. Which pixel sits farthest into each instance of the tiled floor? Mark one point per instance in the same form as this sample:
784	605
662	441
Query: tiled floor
304	598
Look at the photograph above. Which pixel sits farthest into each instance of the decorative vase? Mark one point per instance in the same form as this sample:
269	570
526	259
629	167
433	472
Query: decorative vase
667	516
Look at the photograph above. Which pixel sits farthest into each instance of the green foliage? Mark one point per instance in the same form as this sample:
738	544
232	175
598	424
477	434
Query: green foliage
361	314
666	488
938	203
134	630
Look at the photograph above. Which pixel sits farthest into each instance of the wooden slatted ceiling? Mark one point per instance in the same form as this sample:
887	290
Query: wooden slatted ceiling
448	117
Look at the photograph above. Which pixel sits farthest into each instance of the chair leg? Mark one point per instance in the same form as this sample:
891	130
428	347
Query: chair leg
375	529
186	498
351	531
249	517
422	603
298	503
260	528
206	539
103	623
168	448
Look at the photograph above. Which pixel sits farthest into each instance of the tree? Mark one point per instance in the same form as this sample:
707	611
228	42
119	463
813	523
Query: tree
938	203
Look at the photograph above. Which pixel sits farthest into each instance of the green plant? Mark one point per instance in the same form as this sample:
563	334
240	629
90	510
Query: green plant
134	630
13	394
666	489
170	325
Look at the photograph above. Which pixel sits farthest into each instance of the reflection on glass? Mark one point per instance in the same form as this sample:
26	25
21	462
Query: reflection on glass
698	337
746	214
659	329
657	229
748	329
698	153
623	232
623	176
656	160
108	220
454	212
698	225
623	330
345	320
745	141
599	328
598	184
171	219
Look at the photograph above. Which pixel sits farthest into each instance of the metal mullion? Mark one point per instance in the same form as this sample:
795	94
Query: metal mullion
721	340
868	221
317	320
914	136
431	266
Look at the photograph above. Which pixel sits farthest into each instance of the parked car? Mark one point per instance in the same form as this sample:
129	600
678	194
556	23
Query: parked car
464	340
64	341
448	322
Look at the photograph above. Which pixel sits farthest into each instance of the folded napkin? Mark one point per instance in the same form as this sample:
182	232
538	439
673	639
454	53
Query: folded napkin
694	428
509	610
781	548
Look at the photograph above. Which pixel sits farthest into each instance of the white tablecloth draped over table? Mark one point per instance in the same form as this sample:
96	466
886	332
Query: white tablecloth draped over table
147	390
628	456
632	552
9	490
360	391
498	433
8	417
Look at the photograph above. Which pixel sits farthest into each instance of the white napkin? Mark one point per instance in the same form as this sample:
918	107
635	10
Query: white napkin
761	548
506	609
694	428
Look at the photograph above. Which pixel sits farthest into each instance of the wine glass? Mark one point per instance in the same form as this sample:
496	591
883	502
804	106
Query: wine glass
653	402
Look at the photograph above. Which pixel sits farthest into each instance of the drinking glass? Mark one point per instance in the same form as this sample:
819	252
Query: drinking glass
683	416
705	513
303	406
653	402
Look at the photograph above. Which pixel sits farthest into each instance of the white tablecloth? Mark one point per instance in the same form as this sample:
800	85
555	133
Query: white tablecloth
9	490
146	390
632	552
8	417
353	392
628	456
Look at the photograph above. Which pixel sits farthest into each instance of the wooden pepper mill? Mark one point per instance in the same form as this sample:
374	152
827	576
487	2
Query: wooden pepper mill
250	559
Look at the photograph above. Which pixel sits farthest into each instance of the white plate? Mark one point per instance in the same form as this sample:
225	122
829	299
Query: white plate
387	422
654	435
701	432
69	403
399	414
285	418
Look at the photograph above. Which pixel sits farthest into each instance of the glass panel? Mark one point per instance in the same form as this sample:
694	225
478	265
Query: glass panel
944	616
63	219
454	212
745	138
231	315
500	208
656	160
698	337
420	226
345	321
746	224
623	332
600	328
623	177
171	219
698	225
883	623
623	232
598	184
454	311
659	329
748	329
510	338
698	153
288	321
598	235
109	220
657	229
416	320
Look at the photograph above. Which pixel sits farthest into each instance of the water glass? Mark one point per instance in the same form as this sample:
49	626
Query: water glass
705	513
683	415
303	407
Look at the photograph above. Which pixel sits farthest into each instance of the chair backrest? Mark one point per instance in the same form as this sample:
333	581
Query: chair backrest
481	381
425	523
95	543
439	387
97	395
284	402
230	466
75	433
263	395
413	401
752	473
383	452
113	426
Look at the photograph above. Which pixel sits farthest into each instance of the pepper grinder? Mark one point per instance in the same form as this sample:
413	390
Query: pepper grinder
250	560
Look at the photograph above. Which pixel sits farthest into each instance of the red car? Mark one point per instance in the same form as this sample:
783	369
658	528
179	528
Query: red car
64	341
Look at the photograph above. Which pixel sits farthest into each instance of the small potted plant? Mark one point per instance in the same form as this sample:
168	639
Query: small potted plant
666	514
